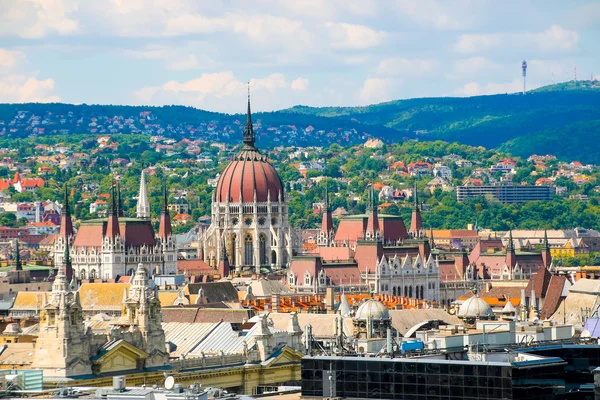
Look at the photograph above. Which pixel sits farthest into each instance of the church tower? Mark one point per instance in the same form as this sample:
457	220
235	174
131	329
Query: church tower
416	223
62	347
372	231
141	309
113	246
66	230
143	205
166	238
326	234
546	255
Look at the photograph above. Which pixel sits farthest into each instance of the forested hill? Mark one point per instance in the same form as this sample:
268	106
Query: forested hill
568	114
562	119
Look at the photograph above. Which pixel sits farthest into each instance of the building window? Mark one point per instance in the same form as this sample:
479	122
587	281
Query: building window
93	274
262	249
248	256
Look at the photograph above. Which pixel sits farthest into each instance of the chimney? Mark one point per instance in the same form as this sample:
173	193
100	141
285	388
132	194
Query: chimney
330	300
275	302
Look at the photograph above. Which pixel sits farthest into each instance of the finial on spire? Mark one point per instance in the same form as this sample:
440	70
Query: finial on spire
249	130
65	209
113	203
165	205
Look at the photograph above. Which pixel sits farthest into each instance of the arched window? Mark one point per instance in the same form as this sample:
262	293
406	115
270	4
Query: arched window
394	290
93	274
232	253
273	257
82	274
262	247
248	256
405	291
410	291
422	292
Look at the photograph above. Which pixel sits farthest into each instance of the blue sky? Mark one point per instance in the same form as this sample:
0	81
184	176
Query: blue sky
313	52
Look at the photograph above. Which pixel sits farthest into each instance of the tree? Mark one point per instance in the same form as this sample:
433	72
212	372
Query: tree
9	220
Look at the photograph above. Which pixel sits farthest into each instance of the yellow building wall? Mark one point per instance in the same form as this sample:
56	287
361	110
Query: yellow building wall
242	379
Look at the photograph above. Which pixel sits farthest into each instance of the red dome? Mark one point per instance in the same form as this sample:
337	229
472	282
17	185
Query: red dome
249	171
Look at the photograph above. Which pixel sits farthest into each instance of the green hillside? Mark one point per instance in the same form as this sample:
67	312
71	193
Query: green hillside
561	119
531	123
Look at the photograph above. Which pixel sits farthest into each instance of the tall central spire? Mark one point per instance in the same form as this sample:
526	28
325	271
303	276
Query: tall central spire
249	130
143	205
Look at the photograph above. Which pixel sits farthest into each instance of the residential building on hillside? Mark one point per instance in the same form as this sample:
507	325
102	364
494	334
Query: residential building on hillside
506	194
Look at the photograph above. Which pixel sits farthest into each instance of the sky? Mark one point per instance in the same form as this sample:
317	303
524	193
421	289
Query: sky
202	53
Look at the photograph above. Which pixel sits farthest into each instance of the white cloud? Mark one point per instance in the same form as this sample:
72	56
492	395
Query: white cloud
17	86
350	36
8	59
269	30
300	84
406	66
474	65
27	91
431	13
38	18
175	59
218	91
555	38
475	43
374	90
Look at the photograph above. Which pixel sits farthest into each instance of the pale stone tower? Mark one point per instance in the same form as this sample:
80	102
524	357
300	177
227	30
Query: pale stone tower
141	308
113	246
143	205
62	348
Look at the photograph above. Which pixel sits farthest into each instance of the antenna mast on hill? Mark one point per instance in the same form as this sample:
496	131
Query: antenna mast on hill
524	67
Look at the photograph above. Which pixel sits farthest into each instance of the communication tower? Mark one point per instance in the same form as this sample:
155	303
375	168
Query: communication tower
524	67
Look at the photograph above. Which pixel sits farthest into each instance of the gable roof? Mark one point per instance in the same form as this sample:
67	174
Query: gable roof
215	292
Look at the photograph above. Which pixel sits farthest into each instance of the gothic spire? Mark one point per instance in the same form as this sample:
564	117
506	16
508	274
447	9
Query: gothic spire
431	241
416	223
249	130
372	219
66	224
143	205
68	266
164	229
327	221
120	211
112	226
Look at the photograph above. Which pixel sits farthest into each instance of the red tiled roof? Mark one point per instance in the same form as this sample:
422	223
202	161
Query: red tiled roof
343	275
249	174
135	234
552	300
329	254
302	264
32	182
194	267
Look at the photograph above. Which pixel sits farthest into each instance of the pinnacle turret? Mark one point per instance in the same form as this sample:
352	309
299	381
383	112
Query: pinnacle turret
143	205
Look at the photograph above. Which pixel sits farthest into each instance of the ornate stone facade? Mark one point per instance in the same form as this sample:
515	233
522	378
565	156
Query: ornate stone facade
249	214
113	246
65	348
62	345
